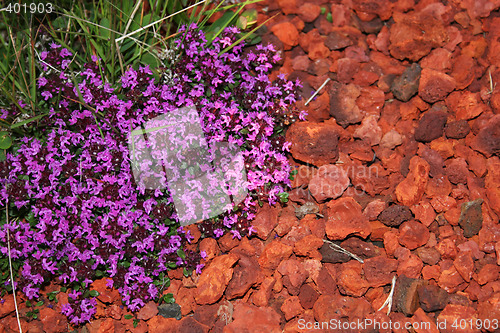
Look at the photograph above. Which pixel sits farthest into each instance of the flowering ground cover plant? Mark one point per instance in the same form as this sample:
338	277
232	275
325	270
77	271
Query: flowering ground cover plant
77	211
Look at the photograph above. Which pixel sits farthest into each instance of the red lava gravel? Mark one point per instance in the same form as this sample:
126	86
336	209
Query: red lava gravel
398	181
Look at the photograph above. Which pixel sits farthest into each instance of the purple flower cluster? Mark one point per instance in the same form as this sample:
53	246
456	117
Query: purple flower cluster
86	213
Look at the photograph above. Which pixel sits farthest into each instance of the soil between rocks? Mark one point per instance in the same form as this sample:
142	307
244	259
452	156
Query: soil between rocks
398	164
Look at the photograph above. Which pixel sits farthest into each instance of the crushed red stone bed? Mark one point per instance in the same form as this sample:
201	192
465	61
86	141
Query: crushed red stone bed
398	164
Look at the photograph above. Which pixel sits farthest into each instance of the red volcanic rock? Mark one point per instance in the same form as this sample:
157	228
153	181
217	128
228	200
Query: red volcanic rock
291	307
487	141
308	246
369	130
245	275
410	190
465	105
465	70
287	33
346	69
329	183
210	247
301	63
106	294
435	86
294	275
430	126
367	8
489	272
314	143
424	323
413	234
429	255
53	321
450	280
148	311
7	306
318	51
435	160
464	264
374	208
308	12
263	294
379	271
245	316
409	264
286	221
414	35
214	279
345	218
273	254
457	170
459	314
391	139
343	104
265	221
439	59
350	279
424	213
159	324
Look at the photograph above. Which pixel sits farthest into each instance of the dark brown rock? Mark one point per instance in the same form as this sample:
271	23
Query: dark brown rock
406	298
379	270
307	296
362	249
405	86
337	40
394	215
430	126
457	129
331	255
432	298
487	141
471	217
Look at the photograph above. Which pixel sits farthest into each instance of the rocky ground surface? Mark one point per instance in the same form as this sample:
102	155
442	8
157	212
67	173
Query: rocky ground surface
398	164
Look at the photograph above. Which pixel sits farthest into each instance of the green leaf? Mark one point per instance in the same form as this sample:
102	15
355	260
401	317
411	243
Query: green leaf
283	197
28	303
27	121
39	303
149	59
104	32
250	15
136	322
329	17
128	316
181	254
5	140
169	298
93	293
